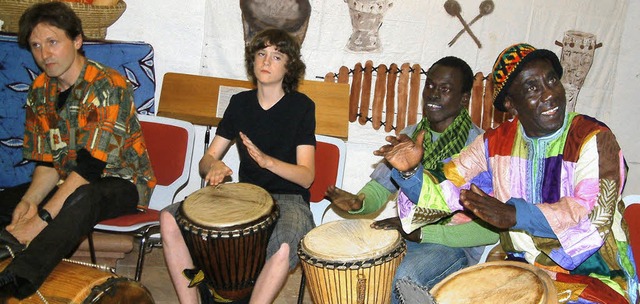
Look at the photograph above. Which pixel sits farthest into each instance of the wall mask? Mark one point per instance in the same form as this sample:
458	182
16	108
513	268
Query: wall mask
289	15
366	19
578	49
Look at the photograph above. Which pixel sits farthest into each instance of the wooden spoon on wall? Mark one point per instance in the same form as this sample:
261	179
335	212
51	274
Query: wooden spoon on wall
453	8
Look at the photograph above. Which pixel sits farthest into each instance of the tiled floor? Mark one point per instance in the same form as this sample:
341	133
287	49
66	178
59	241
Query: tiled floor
156	278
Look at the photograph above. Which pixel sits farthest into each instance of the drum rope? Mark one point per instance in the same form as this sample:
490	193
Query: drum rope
231	259
96	266
361	288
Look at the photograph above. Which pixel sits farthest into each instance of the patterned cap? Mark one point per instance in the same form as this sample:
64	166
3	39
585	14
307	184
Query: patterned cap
510	62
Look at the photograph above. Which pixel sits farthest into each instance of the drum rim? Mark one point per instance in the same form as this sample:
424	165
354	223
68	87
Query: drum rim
550	295
316	243
269	202
98	291
259	224
399	250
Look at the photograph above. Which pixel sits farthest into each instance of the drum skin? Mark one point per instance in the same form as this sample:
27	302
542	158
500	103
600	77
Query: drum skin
497	282
227	229
347	261
74	283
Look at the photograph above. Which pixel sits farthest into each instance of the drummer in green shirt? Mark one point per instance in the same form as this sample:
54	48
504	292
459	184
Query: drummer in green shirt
458	241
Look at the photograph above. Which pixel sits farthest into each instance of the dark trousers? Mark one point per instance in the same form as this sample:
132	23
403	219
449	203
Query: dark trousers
106	198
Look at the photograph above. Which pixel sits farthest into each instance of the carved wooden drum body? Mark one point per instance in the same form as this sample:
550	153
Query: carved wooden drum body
227	229
74	283
349	262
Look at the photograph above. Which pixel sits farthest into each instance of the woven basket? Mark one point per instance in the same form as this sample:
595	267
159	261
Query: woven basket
95	18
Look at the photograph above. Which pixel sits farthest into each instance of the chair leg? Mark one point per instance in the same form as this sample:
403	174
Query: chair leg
92	249
141	253
301	290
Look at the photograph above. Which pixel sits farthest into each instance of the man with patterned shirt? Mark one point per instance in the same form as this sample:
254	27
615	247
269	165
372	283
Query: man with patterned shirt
82	131
549	179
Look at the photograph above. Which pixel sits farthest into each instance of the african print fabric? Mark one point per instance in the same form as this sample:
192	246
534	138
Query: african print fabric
99	116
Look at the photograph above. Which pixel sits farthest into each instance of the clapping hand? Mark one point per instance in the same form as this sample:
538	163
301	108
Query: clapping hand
402	152
488	208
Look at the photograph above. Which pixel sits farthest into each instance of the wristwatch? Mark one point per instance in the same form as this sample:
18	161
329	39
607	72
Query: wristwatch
45	215
408	174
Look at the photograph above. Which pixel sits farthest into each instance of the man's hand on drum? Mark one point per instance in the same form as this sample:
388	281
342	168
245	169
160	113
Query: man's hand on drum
22	213
25	225
25	231
217	172
263	160
343	199
488	208
402	152
393	223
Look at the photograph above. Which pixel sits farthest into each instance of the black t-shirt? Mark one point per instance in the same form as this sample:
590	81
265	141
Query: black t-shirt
277	132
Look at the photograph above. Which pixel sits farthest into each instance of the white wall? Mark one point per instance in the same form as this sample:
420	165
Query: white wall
625	107
205	37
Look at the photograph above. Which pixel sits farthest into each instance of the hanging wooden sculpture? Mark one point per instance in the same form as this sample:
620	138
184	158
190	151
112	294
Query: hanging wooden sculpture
379	95
366	19
365	94
289	15
578	49
391	96
452	7
354	97
403	95
486	8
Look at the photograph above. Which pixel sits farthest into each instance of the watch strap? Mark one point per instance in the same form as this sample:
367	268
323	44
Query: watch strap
45	215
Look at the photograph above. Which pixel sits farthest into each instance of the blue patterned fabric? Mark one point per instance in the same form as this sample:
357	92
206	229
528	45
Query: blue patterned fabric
134	60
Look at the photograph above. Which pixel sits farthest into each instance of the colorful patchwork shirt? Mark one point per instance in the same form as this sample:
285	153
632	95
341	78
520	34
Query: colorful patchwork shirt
566	188
99	115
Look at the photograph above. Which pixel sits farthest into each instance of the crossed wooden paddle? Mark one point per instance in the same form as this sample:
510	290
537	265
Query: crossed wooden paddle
453	8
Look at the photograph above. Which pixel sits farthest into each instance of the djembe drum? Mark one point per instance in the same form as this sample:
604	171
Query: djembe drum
227	229
76	283
497	282
349	262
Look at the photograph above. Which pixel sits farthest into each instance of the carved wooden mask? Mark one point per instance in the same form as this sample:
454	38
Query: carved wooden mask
289	15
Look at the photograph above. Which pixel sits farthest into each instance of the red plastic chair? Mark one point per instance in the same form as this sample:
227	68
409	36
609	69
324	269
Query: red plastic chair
632	217
170	146
330	158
